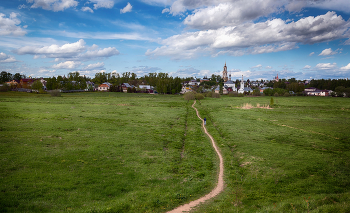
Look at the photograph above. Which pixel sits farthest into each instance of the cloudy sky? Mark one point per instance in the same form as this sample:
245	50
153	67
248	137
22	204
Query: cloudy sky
300	39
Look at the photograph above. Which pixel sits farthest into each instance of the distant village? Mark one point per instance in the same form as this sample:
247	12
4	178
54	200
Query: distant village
162	83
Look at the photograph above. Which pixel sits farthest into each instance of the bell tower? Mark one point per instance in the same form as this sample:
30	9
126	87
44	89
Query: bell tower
224	73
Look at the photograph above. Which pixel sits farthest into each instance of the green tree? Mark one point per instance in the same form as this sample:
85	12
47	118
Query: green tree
37	85
5	76
256	92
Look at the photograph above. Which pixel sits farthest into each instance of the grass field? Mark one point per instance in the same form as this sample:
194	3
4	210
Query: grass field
114	152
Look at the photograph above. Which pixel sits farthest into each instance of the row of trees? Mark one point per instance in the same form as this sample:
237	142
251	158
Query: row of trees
6	77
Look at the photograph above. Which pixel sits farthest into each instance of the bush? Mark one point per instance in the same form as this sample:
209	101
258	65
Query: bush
209	94
276	94
286	94
216	95
55	93
199	96
5	88
232	94
240	95
256	92
189	96
271	101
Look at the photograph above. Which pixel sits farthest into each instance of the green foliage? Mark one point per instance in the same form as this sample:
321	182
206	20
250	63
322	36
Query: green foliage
256	92
209	94
37	85
339	91
199	96
286	94
272	102
189	96
5	88
5	77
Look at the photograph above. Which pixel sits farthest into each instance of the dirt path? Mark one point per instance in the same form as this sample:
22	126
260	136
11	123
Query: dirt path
220	185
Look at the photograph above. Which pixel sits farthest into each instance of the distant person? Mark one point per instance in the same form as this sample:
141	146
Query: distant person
205	121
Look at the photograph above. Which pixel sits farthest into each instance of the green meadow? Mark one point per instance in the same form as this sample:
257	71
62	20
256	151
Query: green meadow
115	152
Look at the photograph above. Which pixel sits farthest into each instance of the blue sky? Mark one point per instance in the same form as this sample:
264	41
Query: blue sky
256	38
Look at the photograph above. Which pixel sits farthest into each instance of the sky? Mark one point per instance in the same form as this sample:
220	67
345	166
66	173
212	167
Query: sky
302	39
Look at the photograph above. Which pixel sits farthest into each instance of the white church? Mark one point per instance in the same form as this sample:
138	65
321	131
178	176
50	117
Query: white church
228	83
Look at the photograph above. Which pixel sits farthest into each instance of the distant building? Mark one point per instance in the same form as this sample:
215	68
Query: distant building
241	89
224	73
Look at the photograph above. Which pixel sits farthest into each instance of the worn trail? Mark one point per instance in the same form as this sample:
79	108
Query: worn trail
220	184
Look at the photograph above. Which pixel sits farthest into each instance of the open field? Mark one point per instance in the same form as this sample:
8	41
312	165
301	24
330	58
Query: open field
113	152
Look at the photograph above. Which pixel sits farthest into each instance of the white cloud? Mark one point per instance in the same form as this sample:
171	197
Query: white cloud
98	65
329	51
307	67
229	13
54	51
255	38
67	65
87	9
54	5
347	67
103	4
326	66
166	10
126	9
10	26
104	53
6	58
105	35
268	67
257	66
311	54
72	51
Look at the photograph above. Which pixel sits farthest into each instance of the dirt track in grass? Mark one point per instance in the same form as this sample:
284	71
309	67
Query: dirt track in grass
220	184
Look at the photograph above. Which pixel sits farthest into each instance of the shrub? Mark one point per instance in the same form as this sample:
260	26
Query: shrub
286	94
256	92
216	95
5	88
276	94
189	96
271	101
209	94
232	94
55	93
240	95
199	96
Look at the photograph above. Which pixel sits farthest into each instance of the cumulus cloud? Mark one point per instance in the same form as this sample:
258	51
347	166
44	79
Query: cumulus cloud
102	4
307	67
144	70
347	67
98	65
54	51
311	54
87	9
255	38
126	9
329	51
326	66
72	51
11	25
106	52
4	58
54	5
67	65
166	10
230	13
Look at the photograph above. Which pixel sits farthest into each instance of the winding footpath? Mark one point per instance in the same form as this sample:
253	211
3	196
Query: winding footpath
220	184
